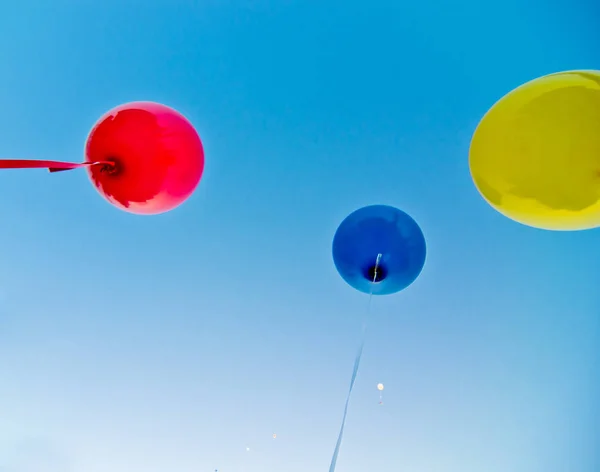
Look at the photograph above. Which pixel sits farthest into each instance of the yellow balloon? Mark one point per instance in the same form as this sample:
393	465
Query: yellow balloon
380	387
535	155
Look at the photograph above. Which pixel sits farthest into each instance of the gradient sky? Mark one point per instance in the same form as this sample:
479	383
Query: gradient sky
173	343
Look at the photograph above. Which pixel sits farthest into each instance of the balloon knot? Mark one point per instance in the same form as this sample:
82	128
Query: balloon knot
110	166
375	273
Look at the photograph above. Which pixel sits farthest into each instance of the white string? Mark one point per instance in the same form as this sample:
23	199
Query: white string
336	451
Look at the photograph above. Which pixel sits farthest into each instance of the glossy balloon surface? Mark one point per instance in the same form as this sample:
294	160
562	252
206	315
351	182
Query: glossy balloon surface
535	155
373	230
158	157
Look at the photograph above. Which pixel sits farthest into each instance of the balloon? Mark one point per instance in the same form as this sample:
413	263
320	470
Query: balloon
142	157
379	249
380	387
158	157
535	155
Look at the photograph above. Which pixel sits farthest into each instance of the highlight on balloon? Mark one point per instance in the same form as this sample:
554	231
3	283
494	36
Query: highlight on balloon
535	155
142	157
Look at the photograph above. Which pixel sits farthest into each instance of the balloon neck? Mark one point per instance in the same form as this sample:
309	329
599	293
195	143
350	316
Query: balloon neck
110	166
375	273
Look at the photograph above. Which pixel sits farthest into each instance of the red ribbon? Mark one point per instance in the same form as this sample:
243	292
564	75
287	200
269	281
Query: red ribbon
52	166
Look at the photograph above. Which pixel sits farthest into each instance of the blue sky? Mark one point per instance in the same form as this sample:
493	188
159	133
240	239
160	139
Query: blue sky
175	342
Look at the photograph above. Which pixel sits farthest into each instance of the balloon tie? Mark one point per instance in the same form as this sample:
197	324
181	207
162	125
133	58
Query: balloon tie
336	451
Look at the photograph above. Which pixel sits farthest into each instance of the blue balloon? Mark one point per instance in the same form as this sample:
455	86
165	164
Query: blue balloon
379	249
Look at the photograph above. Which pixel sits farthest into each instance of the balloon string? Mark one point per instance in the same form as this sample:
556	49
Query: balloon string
52	166
355	369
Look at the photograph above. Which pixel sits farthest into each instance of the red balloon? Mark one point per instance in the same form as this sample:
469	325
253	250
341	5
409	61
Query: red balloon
154	157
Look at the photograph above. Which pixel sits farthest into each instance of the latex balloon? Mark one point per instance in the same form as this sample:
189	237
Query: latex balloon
379	230
535	155
157	157
143	157
380	387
